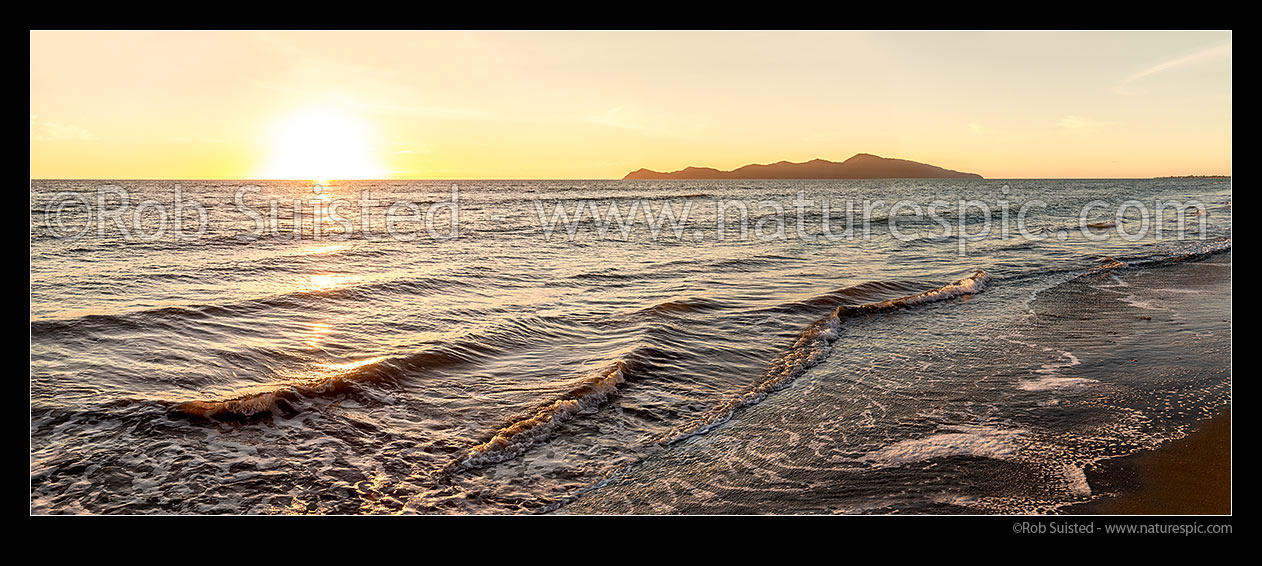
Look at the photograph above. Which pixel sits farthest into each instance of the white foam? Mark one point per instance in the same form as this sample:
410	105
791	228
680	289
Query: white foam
1050	377
1076	480
1117	283
982	442
1056	367
1053	382
972	284
1146	304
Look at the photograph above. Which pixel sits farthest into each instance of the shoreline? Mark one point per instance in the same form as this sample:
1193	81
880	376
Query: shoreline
1188	476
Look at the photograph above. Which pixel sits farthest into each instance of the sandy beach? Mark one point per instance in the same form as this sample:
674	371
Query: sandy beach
1190	476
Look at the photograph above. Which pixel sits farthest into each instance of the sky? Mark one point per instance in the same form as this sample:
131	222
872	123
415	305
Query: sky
596	105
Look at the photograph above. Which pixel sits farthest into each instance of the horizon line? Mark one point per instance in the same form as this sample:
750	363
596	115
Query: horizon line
1213	175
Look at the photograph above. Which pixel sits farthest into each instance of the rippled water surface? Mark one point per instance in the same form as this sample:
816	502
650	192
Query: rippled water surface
505	370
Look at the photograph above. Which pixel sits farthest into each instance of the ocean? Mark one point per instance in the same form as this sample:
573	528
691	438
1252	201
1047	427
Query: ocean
505	347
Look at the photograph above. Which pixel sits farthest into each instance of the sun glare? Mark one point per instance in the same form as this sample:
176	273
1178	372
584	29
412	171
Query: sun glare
322	143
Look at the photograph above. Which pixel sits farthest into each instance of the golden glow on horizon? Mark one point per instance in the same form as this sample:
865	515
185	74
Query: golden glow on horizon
597	105
322	144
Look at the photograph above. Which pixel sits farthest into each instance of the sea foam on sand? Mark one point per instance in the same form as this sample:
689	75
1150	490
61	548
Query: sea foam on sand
979	441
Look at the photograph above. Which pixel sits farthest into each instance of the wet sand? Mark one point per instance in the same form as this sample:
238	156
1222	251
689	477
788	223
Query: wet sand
1190	476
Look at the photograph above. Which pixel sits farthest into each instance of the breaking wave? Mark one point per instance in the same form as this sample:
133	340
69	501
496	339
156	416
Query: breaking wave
812	346
515	438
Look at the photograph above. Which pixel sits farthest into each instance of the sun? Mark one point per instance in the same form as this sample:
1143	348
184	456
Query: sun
322	143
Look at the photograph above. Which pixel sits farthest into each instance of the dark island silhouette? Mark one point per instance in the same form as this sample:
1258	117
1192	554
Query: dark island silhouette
861	166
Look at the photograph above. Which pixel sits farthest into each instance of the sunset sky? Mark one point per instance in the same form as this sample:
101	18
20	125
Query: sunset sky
592	105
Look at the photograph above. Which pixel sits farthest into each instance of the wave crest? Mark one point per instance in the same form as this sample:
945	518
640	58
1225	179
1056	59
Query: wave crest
515	438
287	399
811	347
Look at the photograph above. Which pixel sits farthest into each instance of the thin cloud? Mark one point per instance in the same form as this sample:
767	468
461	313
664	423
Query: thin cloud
52	131
633	119
1214	53
411	110
1079	123
198	139
616	117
